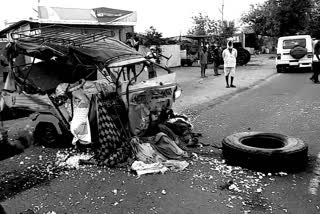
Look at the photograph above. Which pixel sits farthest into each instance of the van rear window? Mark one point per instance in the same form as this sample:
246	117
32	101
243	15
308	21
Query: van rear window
289	44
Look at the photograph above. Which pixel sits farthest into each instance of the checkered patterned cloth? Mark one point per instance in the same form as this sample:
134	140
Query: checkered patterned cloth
112	146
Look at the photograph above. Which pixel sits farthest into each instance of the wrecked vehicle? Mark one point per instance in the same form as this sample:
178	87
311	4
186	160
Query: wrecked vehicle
74	84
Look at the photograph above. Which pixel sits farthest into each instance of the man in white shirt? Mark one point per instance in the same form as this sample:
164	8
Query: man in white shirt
230	60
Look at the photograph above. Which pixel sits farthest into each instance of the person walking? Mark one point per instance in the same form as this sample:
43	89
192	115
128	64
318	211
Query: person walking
230	60
216	59
316	63
203	61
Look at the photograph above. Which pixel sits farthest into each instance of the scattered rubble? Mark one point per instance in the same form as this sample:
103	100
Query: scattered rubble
242	184
71	161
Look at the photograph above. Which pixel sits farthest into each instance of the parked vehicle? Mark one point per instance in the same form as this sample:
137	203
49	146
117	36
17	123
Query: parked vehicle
294	52
64	73
187	58
243	56
188	53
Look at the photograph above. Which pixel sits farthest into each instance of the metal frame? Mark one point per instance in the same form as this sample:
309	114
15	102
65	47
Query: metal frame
62	35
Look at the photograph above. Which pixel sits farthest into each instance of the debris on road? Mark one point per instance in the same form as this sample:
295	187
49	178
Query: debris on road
315	180
241	184
71	161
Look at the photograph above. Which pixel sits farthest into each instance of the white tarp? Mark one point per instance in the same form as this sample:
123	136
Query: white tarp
172	51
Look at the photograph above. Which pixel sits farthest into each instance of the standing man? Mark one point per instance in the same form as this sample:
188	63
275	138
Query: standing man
152	56
136	43
316	63
216	59
131	68
203	61
229	57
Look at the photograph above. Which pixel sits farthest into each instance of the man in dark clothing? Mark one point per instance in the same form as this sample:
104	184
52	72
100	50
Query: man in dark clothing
203	61
216	59
136	43
316	63
131	68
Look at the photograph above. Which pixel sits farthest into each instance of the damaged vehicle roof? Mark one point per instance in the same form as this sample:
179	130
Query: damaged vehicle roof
88	49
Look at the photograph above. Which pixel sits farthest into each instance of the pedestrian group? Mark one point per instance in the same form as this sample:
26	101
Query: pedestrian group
229	56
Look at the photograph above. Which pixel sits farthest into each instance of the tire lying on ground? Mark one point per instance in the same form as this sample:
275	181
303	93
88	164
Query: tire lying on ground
265	151
298	52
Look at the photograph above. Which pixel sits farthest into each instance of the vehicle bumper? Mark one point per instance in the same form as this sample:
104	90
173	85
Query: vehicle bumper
296	65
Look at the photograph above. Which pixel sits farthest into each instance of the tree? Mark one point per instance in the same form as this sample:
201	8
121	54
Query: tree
258	19
203	25
279	17
227	29
314	22
153	37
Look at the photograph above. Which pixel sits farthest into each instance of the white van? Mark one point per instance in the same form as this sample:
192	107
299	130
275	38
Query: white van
294	51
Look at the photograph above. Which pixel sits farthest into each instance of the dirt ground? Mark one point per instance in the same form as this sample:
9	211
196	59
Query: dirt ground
42	187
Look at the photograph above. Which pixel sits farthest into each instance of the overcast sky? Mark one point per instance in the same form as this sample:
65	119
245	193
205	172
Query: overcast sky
171	17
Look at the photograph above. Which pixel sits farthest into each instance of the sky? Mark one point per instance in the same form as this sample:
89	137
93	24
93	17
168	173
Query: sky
170	17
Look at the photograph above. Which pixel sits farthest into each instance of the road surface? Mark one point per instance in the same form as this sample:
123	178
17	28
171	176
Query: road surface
285	103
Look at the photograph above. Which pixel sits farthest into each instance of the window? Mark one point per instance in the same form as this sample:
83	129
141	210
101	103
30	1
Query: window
289	44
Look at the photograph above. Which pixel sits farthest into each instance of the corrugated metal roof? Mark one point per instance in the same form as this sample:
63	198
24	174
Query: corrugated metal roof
77	16
61	35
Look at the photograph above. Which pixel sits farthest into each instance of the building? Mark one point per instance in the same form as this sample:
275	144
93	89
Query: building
118	22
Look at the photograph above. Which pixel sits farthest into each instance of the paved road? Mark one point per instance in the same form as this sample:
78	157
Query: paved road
199	91
286	103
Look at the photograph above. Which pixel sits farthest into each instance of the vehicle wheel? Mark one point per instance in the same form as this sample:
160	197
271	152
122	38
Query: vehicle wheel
45	134
265	151
243	56
281	69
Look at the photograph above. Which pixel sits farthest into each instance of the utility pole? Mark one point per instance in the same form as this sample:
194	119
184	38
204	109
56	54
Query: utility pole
221	11
222	8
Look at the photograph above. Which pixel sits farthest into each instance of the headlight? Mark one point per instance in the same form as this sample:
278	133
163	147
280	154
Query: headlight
177	92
